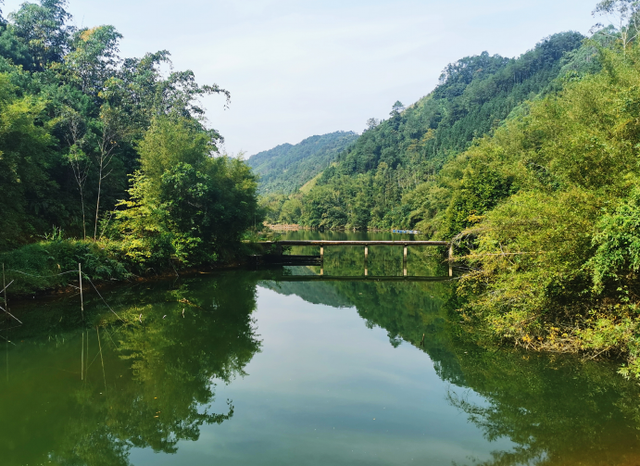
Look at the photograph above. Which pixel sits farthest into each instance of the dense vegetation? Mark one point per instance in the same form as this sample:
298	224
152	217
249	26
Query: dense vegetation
544	208
379	181
286	168
555	255
548	209
94	146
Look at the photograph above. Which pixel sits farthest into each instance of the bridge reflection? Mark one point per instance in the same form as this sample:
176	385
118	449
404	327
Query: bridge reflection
278	275
276	256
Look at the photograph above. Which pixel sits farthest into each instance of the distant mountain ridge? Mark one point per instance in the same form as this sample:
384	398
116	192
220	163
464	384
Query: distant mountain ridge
287	167
382	180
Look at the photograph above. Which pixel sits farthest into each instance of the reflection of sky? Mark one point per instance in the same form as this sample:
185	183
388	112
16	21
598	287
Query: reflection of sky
327	390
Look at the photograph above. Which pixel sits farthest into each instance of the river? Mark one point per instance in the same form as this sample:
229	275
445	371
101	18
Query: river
253	367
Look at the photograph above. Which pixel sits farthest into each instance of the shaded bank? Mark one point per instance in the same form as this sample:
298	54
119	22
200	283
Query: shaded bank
53	266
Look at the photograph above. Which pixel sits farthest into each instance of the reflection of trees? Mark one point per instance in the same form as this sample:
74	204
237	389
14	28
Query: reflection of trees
312	292
560	411
557	410
406	310
158	384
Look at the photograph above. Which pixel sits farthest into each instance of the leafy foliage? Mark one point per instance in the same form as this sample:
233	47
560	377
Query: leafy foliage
184	203
78	121
373	183
286	168
53	264
555	256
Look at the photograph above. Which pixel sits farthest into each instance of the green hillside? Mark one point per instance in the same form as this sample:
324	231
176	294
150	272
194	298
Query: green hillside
285	168
530	167
377	181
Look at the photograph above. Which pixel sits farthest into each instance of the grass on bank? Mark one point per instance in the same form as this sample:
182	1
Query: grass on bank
53	264
50	265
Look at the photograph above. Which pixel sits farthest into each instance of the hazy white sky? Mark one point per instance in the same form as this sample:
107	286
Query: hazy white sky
299	68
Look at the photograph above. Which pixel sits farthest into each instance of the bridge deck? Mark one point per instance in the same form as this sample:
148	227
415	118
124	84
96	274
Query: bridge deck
354	243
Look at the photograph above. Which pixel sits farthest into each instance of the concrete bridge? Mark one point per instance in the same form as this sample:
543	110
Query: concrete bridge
279	258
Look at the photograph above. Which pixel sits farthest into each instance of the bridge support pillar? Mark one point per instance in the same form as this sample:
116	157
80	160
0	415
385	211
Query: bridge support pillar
404	260
366	259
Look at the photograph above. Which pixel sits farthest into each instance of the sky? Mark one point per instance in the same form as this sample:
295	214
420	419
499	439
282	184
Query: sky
301	68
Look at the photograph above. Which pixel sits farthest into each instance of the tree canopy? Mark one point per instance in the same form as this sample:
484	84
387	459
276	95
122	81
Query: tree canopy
79	122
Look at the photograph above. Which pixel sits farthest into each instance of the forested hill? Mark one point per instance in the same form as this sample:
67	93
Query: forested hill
374	181
530	167
285	168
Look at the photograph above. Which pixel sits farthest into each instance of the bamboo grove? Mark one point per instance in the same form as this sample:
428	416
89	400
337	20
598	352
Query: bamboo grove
94	146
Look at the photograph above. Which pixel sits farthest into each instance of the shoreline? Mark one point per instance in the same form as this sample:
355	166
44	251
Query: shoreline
48	269
66	290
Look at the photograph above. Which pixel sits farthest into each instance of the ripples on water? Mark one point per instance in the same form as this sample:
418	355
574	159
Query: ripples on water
248	367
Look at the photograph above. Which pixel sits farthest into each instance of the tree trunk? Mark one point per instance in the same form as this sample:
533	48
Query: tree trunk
95	225
84	221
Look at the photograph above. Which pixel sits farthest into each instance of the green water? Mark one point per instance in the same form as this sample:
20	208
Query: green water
252	367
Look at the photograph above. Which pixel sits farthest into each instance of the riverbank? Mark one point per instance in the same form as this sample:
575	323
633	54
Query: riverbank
50	268
54	267
285	227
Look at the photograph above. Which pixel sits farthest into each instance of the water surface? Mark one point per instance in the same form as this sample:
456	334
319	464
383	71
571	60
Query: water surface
248	367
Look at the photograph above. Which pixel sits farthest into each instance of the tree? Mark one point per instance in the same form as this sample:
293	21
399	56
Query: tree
94	58
110	132
76	157
626	13
25	157
397	108
372	123
184	202
291	211
44	29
